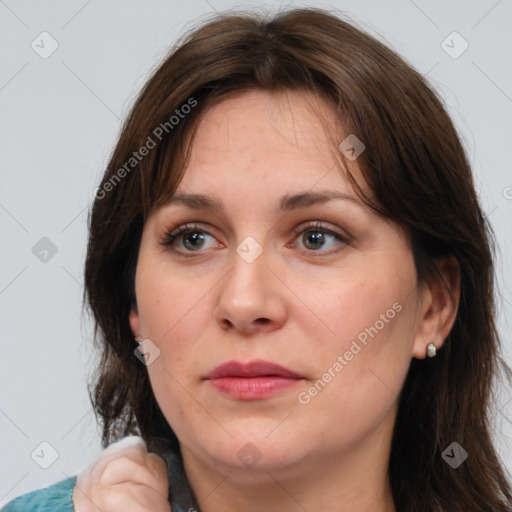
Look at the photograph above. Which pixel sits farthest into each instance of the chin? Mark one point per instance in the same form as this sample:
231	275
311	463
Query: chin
257	446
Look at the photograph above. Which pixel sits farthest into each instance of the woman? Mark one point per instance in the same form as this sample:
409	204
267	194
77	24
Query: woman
288	239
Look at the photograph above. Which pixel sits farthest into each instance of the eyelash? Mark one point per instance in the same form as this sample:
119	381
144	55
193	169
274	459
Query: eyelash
170	238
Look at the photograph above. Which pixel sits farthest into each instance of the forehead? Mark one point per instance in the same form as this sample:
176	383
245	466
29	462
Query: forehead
268	139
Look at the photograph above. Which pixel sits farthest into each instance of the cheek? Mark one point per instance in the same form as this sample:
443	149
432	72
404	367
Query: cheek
357	308
171	308
175	398
366	335
173	314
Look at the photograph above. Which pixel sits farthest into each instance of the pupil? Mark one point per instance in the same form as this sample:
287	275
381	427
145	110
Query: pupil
194	240
313	240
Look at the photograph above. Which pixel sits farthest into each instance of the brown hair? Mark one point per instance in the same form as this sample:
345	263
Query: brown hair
419	174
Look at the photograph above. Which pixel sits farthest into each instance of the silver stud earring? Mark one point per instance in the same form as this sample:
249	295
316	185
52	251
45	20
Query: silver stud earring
431	350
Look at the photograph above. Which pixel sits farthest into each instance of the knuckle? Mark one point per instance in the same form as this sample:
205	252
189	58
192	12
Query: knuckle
112	470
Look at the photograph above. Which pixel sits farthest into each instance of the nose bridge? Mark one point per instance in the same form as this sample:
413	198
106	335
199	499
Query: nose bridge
250	295
248	275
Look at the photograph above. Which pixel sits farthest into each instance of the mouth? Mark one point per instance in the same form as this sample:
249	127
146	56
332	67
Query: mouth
252	369
252	381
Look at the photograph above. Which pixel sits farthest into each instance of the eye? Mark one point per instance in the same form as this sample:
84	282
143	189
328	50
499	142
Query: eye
189	238
317	238
314	237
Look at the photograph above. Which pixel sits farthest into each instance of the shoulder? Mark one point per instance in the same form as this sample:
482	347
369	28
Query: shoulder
55	498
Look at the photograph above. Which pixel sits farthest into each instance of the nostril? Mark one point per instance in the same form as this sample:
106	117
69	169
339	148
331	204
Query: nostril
226	324
263	321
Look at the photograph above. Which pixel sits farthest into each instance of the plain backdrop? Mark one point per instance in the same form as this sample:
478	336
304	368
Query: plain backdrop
60	116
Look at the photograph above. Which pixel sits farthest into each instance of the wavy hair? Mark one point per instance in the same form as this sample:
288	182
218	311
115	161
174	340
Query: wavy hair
420	177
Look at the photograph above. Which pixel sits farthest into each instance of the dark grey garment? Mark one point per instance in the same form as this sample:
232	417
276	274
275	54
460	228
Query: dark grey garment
181	496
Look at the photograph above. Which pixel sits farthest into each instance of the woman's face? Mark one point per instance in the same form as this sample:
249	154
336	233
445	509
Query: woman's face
279	263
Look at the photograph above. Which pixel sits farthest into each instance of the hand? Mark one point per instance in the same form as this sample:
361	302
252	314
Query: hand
125	477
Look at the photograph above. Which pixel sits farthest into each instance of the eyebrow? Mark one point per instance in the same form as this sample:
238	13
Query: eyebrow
287	202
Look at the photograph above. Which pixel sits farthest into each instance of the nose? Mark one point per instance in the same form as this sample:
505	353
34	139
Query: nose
250	299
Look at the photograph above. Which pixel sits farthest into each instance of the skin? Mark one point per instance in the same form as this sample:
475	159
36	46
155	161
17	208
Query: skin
125	477
300	303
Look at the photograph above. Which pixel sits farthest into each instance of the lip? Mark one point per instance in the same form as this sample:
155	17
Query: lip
254	380
255	368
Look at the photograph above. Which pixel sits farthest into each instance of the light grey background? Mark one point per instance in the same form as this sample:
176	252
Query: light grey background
60	117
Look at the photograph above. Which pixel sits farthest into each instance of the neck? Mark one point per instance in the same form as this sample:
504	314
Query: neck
356	479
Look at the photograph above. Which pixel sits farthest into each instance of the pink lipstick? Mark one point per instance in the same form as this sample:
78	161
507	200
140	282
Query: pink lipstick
254	380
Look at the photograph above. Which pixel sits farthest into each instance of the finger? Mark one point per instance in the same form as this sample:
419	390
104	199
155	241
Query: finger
134	447
124	469
130	497
158	468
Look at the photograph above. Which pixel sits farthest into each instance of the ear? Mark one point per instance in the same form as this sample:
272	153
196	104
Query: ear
134	320
438	309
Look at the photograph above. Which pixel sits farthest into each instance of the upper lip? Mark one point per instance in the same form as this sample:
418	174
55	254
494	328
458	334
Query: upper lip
256	368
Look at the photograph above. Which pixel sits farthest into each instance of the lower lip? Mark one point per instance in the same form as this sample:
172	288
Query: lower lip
253	388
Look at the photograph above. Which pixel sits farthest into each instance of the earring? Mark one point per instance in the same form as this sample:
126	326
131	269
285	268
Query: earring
431	350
